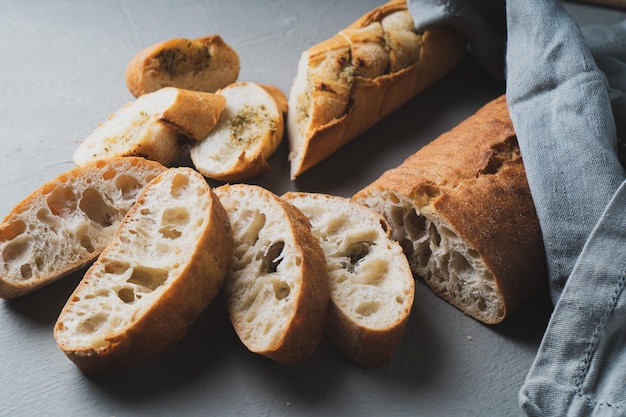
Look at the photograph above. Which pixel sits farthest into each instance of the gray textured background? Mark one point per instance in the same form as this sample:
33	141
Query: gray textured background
62	69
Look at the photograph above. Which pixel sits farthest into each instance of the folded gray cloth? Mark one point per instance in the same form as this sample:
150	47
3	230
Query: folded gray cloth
565	96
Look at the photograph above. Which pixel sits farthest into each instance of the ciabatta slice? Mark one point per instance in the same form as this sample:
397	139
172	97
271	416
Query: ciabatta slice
65	224
371	283
277	289
202	64
164	266
157	126
248	132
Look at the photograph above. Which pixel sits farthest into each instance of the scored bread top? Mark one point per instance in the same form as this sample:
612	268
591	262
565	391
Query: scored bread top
277	290
162	268
371	283
64	224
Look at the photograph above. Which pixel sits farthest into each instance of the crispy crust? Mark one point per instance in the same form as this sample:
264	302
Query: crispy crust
481	192
343	110
194	113
216	66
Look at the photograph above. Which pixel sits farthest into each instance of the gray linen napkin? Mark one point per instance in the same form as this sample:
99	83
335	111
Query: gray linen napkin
565	96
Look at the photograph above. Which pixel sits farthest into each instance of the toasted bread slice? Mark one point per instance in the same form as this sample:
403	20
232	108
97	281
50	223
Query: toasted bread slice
164	266
65	224
203	64
157	126
277	290
371	283
249	131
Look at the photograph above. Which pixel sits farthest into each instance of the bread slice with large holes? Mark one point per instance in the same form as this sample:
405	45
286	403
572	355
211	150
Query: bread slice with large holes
64	224
163	267
158	126
277	289
202	64
462	209
248	132
371	283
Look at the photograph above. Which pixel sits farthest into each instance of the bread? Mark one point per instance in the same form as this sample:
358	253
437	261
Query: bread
246	135
63	225
203	64
463	212
157	126
348	83
371	283
163	267
277	289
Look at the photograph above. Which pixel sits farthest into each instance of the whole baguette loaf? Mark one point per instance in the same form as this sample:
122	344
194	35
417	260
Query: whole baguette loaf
249	131
163	267
371	283
65	224
157	126
203	64
277	289
463	212
349	82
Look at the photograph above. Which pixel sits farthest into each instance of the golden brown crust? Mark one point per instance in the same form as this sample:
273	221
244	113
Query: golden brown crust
194	113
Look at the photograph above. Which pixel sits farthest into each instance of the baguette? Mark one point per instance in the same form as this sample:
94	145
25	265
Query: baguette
462	209
163	267
203	64
157	126
348	83
371	283
64	225
277	290
249	131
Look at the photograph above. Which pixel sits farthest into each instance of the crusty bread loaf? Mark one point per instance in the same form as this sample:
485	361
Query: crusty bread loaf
65	224
157	126
203	64
349	82
371	283
277	290
246	135
163	267
463	212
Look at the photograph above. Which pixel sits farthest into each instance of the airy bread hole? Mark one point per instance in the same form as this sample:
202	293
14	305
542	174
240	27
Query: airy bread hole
355	253
180	183
16	249
62	201
127	295
459	265
414	224
26	271
272	258
12	230
128	185
84	238
149	278
92	323
96	209
115	267
281	290
368	308
173	220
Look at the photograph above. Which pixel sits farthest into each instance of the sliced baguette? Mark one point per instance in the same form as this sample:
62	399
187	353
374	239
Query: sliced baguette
248	132
203	64
65	224
164	266
349	82
463	212
277	290
157	126
371	283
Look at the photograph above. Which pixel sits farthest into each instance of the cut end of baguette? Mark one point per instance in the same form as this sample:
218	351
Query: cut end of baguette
371	283
163	267
249	131
65	224
277	289
203	64
156	126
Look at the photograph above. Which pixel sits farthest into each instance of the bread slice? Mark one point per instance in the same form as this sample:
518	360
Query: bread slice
164	266
277	290
247	133
203	64
462	209
63	225
371	283
157	126
346	84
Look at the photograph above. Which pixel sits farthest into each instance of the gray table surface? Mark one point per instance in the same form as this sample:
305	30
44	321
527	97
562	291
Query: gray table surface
62	69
